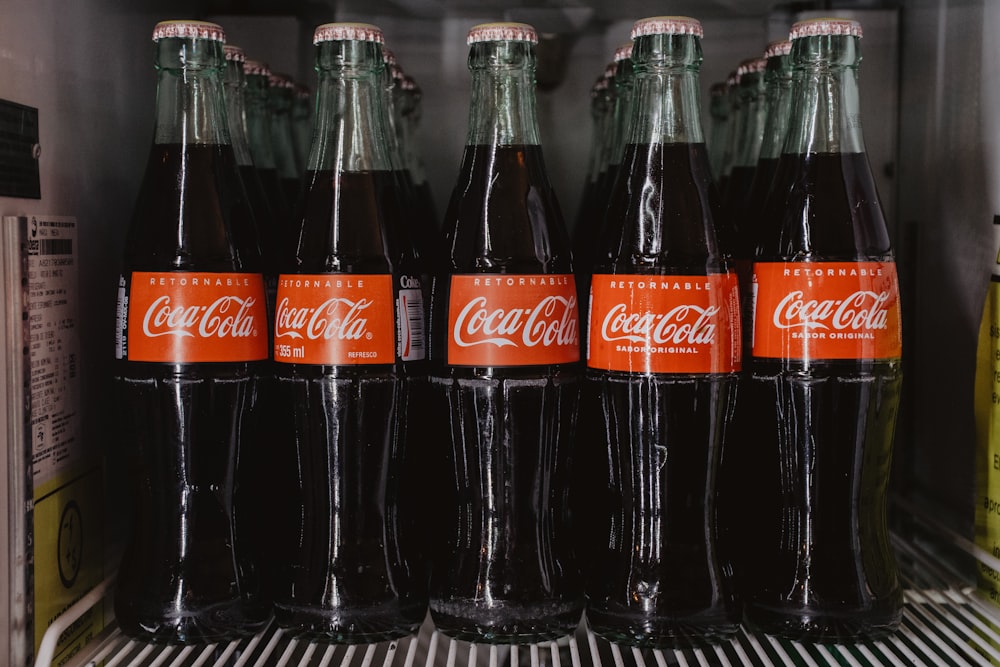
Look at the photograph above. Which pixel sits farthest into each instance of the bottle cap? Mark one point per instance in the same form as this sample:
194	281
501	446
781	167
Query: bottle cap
667	25
279	80
256	67
779	48
751	66
502	32
409	85
234	53
733	79
342	32
388	57
189	29
825	26
623	52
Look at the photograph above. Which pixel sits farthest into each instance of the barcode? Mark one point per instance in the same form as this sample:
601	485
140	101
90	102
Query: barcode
411	310
55	247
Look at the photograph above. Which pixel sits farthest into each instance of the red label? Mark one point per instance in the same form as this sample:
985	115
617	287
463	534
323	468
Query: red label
187	317
665	324
826	310
335	320
513	320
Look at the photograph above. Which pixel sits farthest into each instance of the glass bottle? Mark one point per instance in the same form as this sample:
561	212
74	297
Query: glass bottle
302	124
258	117
342	364
729	152
257	510
749	134
267	232
411	109
733	483
280	99
506	377
192	336
592	200
663	357
826	371
719	131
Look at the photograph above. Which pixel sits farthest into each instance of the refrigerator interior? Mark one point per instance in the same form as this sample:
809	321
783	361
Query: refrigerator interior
930	79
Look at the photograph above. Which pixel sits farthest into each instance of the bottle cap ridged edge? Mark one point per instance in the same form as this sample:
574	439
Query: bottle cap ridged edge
667	25
502	32
623	52
343	32
234	53
189	29
256	67
751	66
779	48
825	26
279	80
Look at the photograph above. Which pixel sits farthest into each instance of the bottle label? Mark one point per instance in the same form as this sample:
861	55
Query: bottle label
412	330
826	310
191	317
335	319
665	324
513	320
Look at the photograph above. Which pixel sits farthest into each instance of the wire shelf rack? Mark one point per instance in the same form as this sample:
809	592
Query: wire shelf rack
946	621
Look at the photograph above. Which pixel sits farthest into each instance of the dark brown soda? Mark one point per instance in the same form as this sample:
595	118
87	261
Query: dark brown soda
188	575
503	566
820	565
353	572
657	576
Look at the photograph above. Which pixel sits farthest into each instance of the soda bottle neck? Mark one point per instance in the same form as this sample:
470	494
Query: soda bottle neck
666	108
190	104
778	78
621	115
259	122
503	94
751	130
827	115
350	132
280	100
235	82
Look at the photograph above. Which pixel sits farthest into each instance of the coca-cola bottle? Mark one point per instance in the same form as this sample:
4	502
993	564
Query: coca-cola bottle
258	117
191	336
662	359
825	369
507	376
258	513
734	533
345	337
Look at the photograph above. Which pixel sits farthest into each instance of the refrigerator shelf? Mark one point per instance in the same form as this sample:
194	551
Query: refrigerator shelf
945	622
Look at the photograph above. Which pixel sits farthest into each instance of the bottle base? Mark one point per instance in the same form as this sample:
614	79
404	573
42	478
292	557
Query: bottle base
505	622
354	626
821	626
661	632
204	627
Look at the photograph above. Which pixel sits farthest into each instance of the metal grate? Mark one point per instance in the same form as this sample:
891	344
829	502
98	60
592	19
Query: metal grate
945	622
